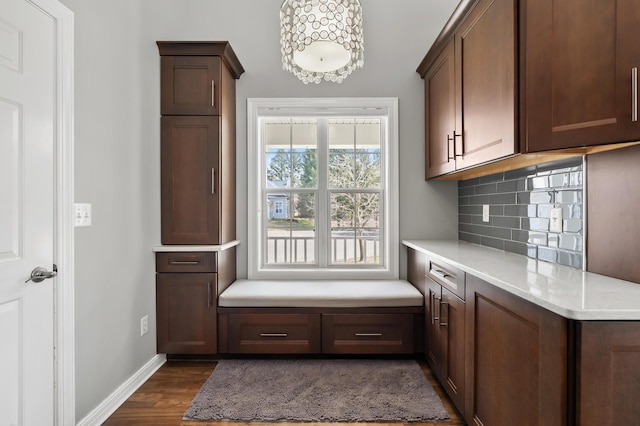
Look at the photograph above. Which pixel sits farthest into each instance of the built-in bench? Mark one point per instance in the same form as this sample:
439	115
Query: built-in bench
320	316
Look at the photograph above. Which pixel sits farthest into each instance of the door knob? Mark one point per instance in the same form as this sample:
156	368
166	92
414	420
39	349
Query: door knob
40	274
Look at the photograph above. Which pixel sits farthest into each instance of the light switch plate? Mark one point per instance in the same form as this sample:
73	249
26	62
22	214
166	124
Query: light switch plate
485	212
82	214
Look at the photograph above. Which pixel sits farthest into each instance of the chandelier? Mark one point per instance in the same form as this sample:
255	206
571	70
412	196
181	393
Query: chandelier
321	39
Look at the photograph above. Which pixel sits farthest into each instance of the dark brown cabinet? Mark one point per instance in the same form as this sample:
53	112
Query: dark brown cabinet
186	313
440	115
256	333
198	142
445	328
580	73
198	190
506	361
355	331
516	367
367	333
187	287
608	367
470	91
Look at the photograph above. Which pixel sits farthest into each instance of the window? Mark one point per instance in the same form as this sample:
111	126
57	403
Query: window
323	188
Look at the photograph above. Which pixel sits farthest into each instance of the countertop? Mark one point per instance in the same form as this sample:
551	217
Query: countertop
176	248
569	292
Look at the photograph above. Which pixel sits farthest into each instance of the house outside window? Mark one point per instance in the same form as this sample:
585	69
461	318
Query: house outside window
323	188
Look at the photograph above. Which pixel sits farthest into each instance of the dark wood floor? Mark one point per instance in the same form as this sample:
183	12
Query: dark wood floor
164	398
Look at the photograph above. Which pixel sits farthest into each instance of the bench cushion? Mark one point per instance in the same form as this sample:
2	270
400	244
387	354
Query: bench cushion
320	294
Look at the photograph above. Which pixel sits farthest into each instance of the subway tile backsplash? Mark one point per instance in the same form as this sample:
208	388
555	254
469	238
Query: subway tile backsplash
520	203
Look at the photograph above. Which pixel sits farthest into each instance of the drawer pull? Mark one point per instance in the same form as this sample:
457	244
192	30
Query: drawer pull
368	334
184	262
634	94
440	273
273	334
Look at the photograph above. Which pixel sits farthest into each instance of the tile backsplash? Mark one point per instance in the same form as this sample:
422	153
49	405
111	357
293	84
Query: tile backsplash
520	203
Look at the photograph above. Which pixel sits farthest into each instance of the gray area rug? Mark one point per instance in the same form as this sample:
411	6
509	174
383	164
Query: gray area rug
317	390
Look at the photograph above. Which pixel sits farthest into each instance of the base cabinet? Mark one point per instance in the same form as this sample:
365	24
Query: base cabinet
187	286
506	361
516	364
367	333
608	373
312	331
186	313
445	328
270	333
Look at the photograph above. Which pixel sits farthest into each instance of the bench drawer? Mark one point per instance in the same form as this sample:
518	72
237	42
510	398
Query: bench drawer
367	333
272	333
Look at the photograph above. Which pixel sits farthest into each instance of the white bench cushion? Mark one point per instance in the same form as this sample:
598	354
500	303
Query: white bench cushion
320	294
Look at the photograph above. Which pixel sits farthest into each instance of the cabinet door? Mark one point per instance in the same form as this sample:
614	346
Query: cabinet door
608	367
190	85
578	72
440	115
453	359
485	48
516	372
190	180
186	313
433	334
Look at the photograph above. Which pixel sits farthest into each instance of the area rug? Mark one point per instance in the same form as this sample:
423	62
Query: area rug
317	390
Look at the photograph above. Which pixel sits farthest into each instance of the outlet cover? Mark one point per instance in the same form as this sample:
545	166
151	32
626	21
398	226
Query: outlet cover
144	325
555	222
485	212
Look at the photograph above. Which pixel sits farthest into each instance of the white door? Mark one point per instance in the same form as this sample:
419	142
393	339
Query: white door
27	141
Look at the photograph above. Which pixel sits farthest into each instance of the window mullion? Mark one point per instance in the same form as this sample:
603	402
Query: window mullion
323	213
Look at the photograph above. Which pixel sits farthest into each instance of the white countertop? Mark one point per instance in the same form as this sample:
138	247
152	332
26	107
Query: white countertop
569	292
175	249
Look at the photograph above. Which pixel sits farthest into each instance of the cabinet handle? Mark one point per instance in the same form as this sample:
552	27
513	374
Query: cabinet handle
209	294
368	334
440	323
184	262
273	334
456	135
213	93
435	318
634	94
449	157
440	273
213	180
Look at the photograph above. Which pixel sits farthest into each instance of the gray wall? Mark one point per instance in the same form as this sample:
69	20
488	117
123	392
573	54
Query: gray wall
117	147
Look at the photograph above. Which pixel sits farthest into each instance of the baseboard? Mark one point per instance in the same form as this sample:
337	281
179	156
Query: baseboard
107	407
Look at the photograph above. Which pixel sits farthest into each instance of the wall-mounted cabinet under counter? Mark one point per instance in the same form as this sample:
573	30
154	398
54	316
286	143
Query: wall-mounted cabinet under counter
512	83
542	343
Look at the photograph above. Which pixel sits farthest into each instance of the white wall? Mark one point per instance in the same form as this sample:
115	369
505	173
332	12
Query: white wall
118	150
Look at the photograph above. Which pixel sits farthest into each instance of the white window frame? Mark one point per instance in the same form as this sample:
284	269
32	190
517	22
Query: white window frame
258	108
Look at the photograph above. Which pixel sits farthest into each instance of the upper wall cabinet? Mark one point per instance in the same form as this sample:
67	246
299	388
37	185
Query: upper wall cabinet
533	81
197	78
198	139
470	96
581	59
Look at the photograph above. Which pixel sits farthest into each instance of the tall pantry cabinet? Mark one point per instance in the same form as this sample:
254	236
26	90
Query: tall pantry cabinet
198	207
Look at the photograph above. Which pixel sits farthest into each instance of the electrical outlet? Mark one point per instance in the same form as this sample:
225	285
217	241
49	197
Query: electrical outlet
555	222
485	212
82	214
144	325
